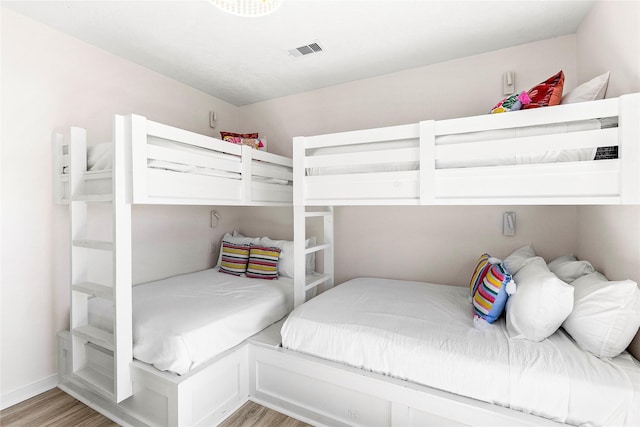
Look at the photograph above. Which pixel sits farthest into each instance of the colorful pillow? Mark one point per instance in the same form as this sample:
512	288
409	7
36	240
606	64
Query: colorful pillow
236	239
234	258
480	271
589	91
223	135
511	103
541	304
492	294
549	92
263	262
605	316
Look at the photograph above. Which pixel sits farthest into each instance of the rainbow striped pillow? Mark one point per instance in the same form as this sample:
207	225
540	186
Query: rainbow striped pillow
480	271
234	258
263	262
491	295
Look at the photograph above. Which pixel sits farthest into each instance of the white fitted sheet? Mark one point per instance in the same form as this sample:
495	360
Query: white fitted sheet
499	160
183	321
424	333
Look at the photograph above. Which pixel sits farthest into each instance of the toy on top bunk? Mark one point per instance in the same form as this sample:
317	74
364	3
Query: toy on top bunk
602	316
250	139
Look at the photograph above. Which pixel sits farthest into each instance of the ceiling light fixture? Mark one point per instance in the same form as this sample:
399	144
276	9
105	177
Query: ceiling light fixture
249	8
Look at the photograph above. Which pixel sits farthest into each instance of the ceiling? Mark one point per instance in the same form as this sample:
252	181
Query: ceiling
247	60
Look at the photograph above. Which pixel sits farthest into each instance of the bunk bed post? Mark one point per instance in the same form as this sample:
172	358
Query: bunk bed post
136	127
122	269
79	316
427	162
299	222
247	161
58	165
328	252
629	148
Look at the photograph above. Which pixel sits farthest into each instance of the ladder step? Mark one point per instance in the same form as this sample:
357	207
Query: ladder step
94	198
94	289
96	381
317	214
95	335
93	244
316	279
317	248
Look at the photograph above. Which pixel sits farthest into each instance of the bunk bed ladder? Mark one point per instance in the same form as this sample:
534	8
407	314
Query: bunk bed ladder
308	284
101	358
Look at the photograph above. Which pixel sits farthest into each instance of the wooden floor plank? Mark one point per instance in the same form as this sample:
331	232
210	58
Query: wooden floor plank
56	408
253	415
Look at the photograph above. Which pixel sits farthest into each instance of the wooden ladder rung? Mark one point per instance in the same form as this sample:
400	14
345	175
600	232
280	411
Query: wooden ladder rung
94	289
95	335
93	244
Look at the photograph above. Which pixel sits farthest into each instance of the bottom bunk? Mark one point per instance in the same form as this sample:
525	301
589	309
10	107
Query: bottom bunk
204	396
381	352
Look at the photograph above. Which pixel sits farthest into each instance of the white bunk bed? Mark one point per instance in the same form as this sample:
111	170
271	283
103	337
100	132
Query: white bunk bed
152	163
168	165
361	168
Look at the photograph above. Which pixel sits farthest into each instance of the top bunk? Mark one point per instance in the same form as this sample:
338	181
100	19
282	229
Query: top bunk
582	153
161	164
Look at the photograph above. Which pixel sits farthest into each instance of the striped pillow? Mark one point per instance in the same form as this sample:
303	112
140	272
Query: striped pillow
234	258
491	295
263	262
480	271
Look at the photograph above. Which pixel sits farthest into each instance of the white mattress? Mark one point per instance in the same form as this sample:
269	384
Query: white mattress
424	333
99	157
498	160
182	321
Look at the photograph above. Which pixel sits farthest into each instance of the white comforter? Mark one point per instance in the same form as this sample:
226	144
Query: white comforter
182	321
424	333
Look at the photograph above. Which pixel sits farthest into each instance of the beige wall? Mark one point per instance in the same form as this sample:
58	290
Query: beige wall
49	81
609	40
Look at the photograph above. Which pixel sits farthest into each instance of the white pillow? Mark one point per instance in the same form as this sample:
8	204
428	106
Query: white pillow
285	263
541	303
238	239
589	91
519	258
606	315
568	268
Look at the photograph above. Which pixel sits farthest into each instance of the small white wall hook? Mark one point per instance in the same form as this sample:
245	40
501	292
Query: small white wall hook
215	218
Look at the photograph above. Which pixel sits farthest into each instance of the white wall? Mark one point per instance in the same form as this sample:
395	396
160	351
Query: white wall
438	244
49	81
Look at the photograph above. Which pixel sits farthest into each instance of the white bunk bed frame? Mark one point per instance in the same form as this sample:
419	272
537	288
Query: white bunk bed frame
98	367
327	393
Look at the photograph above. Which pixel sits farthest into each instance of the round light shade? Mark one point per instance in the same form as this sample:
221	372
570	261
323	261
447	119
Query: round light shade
247	7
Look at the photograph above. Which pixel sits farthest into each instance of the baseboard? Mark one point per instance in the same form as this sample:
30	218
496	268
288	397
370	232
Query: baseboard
27	392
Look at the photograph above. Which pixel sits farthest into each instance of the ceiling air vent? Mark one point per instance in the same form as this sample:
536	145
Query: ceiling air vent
306	49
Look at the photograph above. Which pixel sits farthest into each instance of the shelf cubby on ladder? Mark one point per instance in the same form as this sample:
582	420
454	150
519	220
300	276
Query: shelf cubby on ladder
101	359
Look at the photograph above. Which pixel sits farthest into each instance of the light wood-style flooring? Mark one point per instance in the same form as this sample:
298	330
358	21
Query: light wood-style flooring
56	408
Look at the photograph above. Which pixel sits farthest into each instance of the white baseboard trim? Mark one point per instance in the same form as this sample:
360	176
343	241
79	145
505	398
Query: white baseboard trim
28	391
